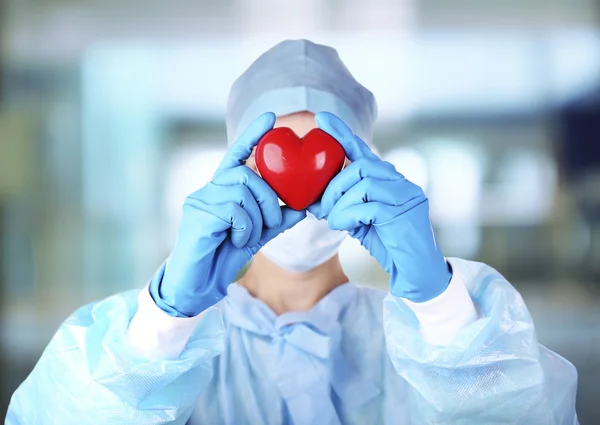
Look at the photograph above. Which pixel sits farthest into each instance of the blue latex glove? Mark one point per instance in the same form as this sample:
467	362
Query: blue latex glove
223	225
388	214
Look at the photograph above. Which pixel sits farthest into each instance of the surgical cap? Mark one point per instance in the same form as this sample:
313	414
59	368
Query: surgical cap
296	76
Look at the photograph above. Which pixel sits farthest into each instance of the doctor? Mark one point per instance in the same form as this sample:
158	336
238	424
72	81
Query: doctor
293	342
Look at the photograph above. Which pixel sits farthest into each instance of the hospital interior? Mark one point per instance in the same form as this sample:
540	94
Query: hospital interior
112	112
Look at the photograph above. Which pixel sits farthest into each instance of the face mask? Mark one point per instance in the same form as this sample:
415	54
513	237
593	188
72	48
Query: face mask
305	246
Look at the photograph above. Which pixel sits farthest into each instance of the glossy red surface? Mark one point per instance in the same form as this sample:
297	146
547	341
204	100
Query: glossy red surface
298	169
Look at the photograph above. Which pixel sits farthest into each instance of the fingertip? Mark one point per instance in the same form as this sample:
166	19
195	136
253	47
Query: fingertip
261	125
291	211
331	223
316	209
273	218
290	217
331	121
239	238
253	240
270	115
322	117
326	117
324	122
267	119
301	214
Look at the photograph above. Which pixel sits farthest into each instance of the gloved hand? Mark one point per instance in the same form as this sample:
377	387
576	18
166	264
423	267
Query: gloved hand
388	214
223	225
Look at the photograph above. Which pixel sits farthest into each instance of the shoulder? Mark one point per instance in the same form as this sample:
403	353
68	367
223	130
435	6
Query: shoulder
121	305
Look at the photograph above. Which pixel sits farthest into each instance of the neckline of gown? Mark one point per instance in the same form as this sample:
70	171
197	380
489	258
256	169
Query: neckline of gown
323	316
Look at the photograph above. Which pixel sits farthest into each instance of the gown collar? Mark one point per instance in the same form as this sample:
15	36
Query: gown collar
323	316
310	342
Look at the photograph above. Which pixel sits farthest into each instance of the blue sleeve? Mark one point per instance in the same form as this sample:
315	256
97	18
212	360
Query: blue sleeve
89	373
493	372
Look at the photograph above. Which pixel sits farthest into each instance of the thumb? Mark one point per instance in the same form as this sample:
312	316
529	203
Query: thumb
289	219
316	210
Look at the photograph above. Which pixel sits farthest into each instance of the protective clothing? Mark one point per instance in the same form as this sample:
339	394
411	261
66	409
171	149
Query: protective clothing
388	214
298	75
348	360
235	368
236	202
305	246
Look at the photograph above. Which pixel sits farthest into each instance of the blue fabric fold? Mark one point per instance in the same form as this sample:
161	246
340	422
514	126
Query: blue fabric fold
307	362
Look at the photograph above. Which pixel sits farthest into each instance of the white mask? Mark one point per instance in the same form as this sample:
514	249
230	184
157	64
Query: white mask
305	246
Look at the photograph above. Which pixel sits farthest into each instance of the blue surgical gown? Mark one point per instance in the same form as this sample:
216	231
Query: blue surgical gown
356	358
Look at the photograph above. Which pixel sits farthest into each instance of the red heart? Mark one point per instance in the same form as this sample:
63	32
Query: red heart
298	169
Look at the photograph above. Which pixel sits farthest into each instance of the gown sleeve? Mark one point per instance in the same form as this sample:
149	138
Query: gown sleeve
95	371
490	371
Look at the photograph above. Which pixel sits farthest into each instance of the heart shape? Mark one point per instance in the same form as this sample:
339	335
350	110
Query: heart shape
298	169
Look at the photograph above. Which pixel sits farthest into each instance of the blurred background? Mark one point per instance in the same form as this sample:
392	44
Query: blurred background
111	112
